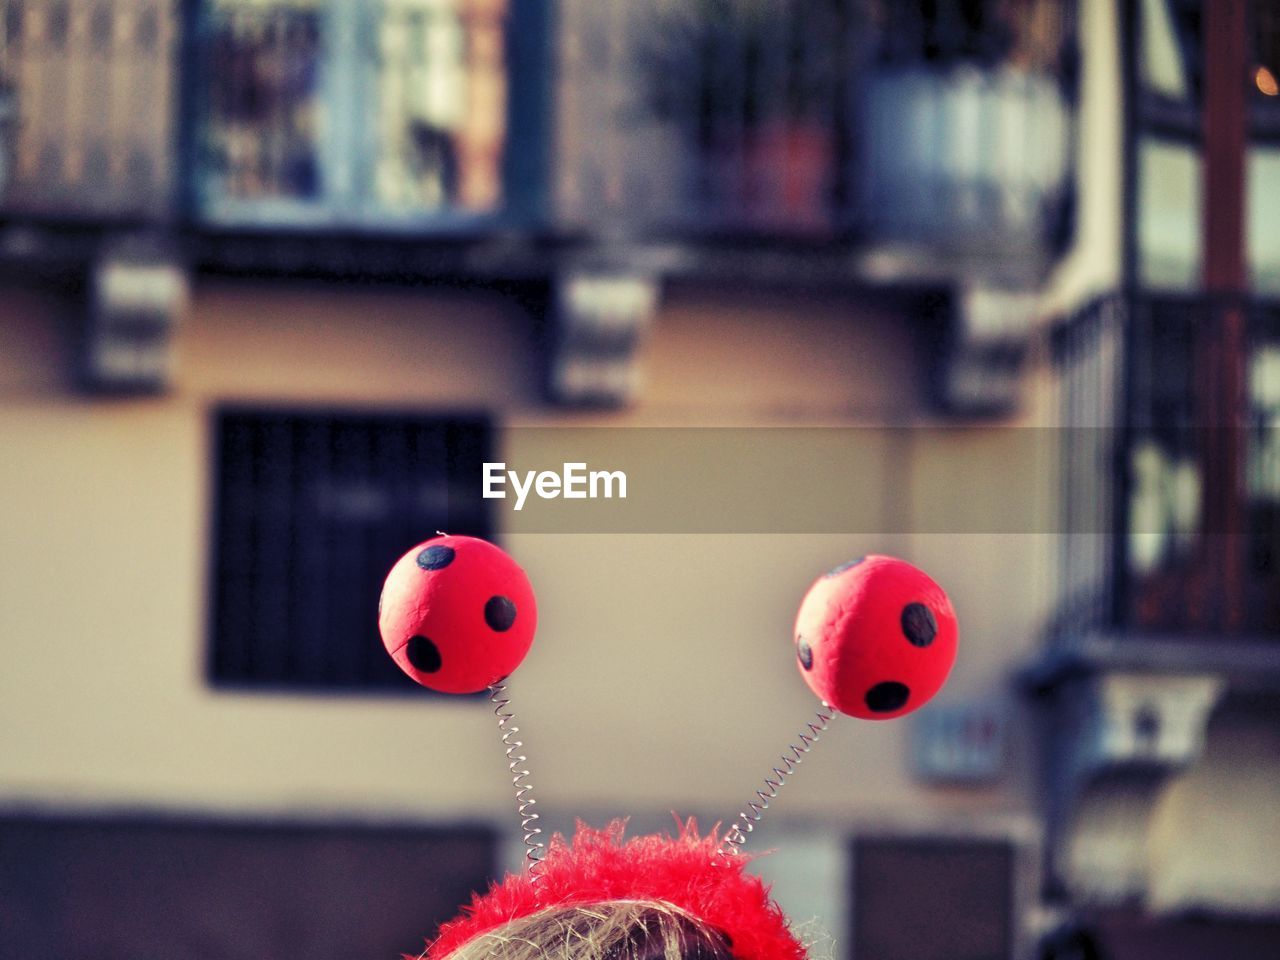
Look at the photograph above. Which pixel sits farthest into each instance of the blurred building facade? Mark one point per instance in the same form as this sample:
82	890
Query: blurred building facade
1159	671
278	274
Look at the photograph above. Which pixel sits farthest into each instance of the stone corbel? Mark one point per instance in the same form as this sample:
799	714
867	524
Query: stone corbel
1120	737
599	318
990	334
138	294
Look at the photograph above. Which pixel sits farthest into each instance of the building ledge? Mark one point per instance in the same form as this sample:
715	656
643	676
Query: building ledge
1249	662
1125	713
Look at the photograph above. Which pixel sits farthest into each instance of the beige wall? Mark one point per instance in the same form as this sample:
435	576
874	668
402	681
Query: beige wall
1213	842
662	677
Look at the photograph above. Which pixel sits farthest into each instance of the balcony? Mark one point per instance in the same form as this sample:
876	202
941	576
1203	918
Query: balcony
873	136
968	165
1172	504
89	96
1170	571
300	113
924	145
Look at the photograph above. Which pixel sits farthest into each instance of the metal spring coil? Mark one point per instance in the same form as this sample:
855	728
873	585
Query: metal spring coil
534	848
753	813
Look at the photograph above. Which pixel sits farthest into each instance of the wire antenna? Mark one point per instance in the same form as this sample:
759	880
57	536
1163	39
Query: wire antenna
535	849
753	812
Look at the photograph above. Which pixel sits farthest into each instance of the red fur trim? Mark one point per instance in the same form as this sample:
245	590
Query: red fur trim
685	870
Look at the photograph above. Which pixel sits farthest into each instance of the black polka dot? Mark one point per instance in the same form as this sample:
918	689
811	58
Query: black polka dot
919	624
888	696
836	571
804	652
499	613
436	558
424	655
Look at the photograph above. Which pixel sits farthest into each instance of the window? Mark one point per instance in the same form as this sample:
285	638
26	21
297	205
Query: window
312	510
165	886
919	898
1171	63
73	140
1176	476
814	115
1262	474
264	102
1194	543
351	112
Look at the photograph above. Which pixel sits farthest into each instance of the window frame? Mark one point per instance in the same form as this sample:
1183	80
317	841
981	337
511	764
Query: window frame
348	202
1179	119
1162	601
295	545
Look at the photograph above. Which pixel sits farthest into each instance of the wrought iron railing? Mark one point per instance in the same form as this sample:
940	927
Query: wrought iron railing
1088	356
940	125
89	89
380	113
1171	491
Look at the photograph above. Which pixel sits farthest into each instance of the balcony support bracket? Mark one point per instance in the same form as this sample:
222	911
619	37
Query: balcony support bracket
599	316
1119	737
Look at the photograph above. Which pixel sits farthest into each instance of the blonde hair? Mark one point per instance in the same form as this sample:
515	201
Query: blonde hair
613	930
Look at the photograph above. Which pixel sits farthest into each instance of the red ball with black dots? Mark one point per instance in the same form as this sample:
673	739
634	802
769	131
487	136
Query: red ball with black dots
457	614
876	638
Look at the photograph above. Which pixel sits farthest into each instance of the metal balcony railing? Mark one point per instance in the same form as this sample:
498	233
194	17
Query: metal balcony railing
940	127
1171	502
89	90
1088	356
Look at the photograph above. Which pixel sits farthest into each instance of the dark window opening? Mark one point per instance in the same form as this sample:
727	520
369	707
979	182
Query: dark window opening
312	510
932	899
153	886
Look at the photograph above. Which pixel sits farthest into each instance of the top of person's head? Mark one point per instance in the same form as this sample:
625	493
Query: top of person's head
612	930
604	896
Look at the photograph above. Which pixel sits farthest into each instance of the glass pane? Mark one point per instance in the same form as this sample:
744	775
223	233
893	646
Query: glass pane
1190	568
1170	176
441	81
1262	474
1165	489
262	132
1164	67
1264	394
310	500
1262	192
1170	56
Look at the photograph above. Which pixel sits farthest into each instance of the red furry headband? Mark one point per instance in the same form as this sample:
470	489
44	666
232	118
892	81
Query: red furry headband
687	871
874	638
